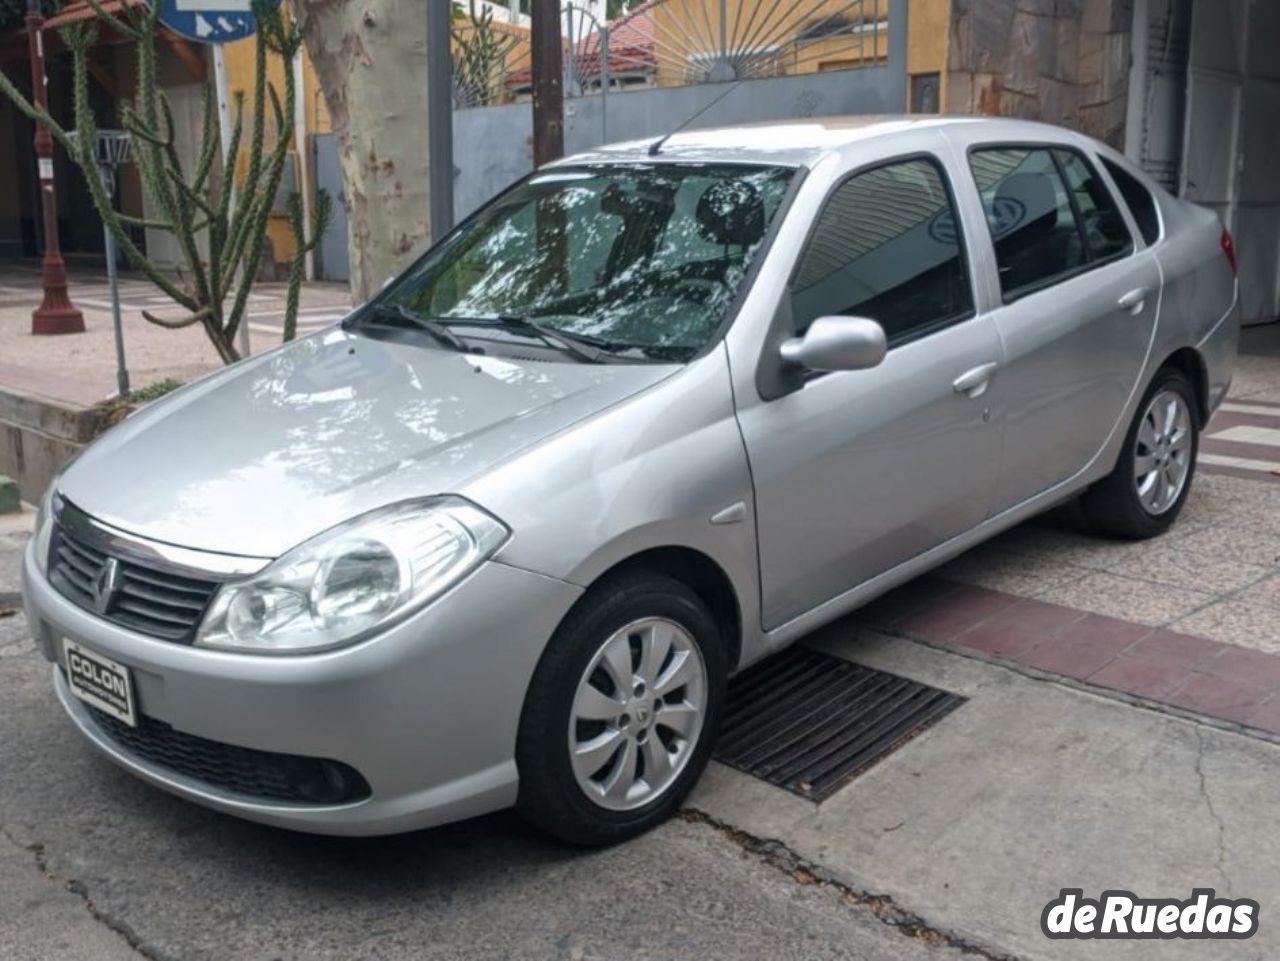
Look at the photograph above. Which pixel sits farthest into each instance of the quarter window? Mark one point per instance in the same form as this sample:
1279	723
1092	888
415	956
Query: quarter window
1139	201
887	246
1104	228
1048	213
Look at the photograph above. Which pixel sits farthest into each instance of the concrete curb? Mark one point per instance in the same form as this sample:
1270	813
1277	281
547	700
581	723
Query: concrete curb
38	436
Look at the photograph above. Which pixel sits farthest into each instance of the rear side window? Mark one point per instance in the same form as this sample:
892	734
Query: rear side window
887	246
1049	215
1139	201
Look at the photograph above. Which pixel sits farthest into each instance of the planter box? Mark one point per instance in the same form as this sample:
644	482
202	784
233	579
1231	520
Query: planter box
38	436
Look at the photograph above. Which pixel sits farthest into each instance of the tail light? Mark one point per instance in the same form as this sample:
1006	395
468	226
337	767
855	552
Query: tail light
1229	249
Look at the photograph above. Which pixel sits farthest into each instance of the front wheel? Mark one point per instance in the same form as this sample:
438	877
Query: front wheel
1143	496
622	710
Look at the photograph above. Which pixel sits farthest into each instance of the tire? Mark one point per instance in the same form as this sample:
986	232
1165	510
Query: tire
608	632
1115	504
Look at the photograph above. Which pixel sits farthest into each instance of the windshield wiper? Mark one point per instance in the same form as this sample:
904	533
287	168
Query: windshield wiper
589	350
386	310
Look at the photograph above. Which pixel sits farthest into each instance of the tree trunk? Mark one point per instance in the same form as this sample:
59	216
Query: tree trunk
370	59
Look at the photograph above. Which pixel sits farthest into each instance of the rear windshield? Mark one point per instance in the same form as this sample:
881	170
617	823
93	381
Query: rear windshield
643	258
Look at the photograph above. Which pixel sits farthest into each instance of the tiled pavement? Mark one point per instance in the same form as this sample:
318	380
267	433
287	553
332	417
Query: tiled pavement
1222	680
80	368
1190	619
1244	441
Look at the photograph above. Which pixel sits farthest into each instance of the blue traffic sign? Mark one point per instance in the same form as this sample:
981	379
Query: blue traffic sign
209	21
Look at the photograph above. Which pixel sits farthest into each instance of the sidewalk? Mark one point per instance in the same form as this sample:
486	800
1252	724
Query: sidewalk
1030	787
80	368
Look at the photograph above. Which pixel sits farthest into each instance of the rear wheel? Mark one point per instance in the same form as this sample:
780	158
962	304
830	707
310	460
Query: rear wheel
1143	496
621	712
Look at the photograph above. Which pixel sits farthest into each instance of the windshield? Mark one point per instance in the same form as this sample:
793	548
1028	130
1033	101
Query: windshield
640	259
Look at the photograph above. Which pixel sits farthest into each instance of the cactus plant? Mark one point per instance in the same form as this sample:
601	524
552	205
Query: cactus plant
197	208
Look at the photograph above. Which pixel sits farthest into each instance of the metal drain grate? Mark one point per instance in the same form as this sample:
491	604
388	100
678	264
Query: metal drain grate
810	722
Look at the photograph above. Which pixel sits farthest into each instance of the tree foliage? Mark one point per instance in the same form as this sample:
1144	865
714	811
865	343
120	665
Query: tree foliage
220	228
616	8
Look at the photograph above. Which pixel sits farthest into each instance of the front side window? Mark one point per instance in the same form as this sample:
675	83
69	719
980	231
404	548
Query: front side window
1048	213
642	260
887	246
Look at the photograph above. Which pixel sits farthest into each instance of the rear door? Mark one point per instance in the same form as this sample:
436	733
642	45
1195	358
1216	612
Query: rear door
1077	315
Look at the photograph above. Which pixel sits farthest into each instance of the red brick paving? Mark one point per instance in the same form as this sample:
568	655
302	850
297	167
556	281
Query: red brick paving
1194	673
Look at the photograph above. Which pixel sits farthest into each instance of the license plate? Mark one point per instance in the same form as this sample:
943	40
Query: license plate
100	681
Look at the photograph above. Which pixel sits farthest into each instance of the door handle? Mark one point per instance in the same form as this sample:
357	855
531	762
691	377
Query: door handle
973	383
1134	300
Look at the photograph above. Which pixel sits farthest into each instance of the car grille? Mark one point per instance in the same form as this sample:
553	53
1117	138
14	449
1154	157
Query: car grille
258	774
147	600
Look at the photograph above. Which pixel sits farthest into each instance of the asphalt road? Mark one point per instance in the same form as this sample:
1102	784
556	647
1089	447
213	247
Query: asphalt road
95	865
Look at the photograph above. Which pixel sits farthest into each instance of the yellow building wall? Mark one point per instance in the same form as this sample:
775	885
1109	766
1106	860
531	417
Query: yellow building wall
681	28
928	38
239	58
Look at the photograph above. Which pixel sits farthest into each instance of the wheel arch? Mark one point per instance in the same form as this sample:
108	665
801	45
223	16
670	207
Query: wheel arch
702	574
1192	364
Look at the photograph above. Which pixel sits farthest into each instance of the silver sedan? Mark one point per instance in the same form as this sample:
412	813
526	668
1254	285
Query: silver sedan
655	412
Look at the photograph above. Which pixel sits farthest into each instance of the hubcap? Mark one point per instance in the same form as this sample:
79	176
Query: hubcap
637	714
1162	454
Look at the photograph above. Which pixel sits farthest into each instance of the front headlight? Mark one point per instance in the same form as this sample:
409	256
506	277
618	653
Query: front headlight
44	530
357	578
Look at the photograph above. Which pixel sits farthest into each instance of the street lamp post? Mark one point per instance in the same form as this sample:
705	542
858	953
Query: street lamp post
56	314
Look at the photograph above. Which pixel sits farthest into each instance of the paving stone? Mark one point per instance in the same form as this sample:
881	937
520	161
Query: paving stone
1127	598
1250	667
1237	541
1036	617
1026	575
1235	622
1182	650
1177	567
955	613
1145	676
1267	715
1108	633
1061	656
888	610
1264	593
1228	699
1009	641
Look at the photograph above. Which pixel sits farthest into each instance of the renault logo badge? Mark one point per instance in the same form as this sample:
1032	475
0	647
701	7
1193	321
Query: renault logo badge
104	585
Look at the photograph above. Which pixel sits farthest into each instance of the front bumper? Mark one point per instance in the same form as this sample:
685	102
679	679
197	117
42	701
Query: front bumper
427	711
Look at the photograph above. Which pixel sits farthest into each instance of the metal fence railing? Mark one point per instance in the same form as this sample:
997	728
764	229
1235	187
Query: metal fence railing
667	43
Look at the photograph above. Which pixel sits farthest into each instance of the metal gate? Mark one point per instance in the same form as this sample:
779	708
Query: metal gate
332	256
667	61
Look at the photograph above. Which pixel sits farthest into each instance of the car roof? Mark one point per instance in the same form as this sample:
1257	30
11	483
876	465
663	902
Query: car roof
800	142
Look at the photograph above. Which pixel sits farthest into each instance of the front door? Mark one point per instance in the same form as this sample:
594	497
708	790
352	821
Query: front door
858	471
1078	316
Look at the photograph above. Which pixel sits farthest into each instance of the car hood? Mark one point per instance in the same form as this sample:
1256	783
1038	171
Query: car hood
255	459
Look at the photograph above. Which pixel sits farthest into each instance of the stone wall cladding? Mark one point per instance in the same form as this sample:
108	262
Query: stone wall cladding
1062	61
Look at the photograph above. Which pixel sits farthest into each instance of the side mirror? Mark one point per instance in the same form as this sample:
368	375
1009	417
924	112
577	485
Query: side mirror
837	343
